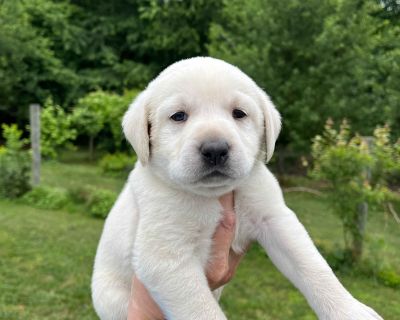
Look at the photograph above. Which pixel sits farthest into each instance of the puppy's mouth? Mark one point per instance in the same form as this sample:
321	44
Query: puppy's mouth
214	178
214	175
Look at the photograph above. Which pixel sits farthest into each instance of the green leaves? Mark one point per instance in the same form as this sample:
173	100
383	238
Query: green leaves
317	60
15	165
102	111
56	129
357	170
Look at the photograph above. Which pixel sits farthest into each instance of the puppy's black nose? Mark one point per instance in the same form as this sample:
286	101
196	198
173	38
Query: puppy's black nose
215	152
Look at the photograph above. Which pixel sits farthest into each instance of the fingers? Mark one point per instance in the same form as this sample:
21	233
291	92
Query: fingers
141	305
224	260
235	258
227	201
218	270
224	235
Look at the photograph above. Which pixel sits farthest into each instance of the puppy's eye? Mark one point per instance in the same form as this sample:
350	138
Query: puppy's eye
179	116
238	114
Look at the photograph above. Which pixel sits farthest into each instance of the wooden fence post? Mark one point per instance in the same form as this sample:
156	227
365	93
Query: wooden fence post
34	110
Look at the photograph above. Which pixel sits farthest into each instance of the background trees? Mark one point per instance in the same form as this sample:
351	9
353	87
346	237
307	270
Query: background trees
336	59
316	59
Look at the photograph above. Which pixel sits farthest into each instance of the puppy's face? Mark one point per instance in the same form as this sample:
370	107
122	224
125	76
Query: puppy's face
201	125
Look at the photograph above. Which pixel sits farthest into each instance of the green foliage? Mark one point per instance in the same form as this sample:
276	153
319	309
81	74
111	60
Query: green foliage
100	202
100	111
55	129
36	41
356	169
66	49
45	197
14	163
90	114
316	59
115	113
390	278
117	162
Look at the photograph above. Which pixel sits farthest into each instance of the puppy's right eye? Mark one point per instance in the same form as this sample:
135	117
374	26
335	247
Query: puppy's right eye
238	114
179	116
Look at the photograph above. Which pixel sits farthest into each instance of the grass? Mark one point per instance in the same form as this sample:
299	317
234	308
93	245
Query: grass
46	259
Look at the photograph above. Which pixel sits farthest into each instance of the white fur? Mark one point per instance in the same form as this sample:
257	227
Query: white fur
162	223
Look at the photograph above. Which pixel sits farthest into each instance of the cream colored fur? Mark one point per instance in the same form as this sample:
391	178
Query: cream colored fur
161	226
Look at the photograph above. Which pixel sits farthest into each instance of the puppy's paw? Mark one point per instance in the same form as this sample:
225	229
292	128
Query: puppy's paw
354	310
363	312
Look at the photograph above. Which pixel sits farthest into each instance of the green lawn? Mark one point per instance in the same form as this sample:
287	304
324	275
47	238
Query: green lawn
46	259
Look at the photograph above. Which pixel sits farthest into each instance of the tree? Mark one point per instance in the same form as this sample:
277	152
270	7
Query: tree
67	48
101	111
317	60
89	116
31	32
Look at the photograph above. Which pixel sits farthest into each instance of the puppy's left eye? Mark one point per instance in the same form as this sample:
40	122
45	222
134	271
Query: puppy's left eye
238	114
179	116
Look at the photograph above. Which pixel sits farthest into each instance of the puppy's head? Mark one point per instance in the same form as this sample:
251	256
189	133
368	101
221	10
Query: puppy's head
201	125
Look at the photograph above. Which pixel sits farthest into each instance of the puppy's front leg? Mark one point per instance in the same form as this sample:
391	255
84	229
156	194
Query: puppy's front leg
175	278
292	251
290	248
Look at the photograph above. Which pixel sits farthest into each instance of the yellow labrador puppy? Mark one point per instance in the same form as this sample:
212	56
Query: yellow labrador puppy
201	129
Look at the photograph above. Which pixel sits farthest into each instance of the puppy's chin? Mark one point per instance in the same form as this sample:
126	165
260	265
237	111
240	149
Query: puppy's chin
211	192
208	185
199	180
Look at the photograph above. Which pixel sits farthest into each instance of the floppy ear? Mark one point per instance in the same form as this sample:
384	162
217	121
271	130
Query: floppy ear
272	120
136	127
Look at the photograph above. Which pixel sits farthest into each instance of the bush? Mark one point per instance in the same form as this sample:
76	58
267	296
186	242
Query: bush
55	130
389	277
117	162
46	198
357	170
100	202
15	165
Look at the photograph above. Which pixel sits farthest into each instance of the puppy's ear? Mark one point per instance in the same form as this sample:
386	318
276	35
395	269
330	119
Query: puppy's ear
272	120
136	127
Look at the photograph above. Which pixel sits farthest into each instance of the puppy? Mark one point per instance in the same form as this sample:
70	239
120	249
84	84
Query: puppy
201	129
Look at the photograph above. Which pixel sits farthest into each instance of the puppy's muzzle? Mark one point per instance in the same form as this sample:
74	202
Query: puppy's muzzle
215	152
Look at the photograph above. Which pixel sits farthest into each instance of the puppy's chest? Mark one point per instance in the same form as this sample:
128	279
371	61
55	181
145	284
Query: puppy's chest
244	232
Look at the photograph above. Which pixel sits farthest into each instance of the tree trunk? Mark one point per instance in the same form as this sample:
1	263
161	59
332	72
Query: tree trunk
359	232
91	148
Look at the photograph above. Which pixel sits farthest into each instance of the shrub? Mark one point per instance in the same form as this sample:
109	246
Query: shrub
389	277
356	170
100	202
55	130
15	165
117	162
46	198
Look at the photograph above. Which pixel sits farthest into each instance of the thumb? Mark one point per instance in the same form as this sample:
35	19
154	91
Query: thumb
224	235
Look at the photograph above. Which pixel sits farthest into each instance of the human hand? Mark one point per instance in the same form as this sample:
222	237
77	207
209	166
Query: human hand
224	260
219	271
